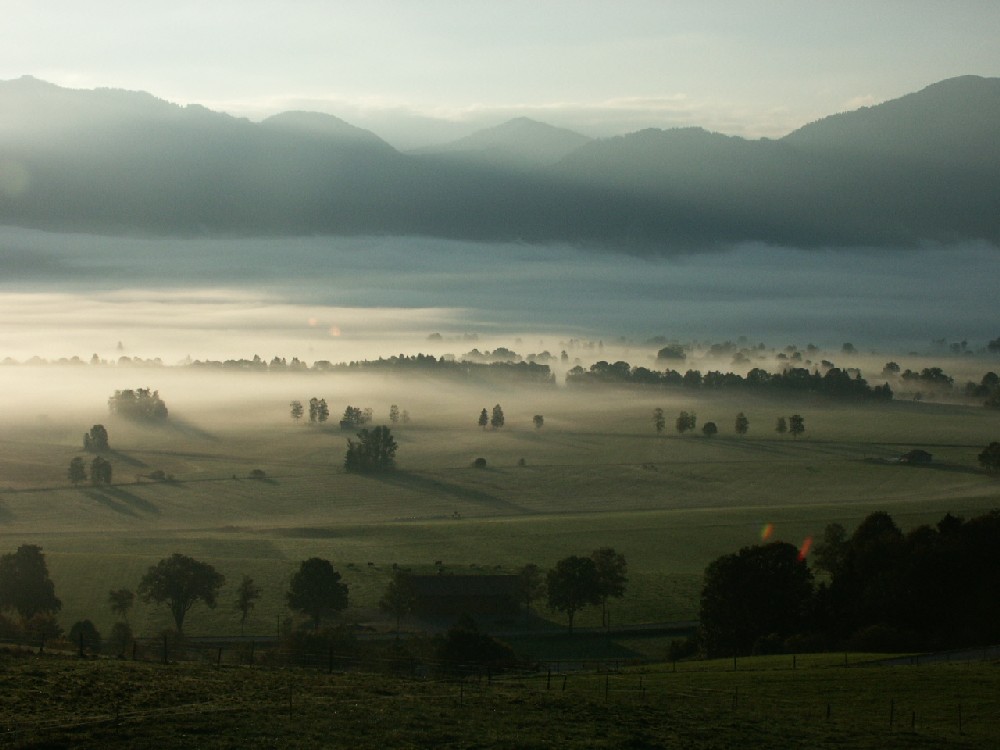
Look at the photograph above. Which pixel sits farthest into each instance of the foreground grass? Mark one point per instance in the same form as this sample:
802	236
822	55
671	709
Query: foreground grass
59	702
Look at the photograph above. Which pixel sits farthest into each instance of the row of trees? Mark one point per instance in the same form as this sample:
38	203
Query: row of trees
687	421
879	589
101	471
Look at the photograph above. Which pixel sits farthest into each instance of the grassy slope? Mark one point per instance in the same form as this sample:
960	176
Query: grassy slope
596	475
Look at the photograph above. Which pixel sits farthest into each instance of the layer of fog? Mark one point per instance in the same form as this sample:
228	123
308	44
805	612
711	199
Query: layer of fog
339	299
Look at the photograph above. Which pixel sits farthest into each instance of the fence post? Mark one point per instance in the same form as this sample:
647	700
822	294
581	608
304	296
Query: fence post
565	676
607	685
548	680
892	712
329	661
736	698
164	648
218	658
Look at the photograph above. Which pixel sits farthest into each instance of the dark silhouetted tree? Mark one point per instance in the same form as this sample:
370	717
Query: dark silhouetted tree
759	592
796	425
246	599
781	426
989	458
319	412
572	585
180	582
100	471
659	420
296	410
538	421
316	590
531	584
120	601
399	597
353	417
85	637
742	424
497	419
611	578
96	439
685	421
374	451
484	418
394	414
77	471
709	429
25	586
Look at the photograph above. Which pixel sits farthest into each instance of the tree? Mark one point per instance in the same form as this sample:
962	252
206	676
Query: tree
538	421
353	417
246	598
742	424
497	420
96	439
659	421
77	471
760	591
611	579
685	422
399	597
572	585
100	471
781	426
989	458
796	425
296	410
374	452
394	414
180	582
121	601
316	590
484	418
531	585
25	586
318	410
85	636
709	429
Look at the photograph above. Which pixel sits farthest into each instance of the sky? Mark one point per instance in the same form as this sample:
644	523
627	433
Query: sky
430	71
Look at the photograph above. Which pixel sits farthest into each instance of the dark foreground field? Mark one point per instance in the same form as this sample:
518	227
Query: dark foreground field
57	701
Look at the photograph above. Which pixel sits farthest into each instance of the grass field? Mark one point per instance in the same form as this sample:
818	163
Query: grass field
62	702
595	475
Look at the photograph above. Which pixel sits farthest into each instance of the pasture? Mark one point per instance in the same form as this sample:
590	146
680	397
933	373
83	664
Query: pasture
596	474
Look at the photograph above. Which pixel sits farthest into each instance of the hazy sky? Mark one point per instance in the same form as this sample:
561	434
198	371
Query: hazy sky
753	68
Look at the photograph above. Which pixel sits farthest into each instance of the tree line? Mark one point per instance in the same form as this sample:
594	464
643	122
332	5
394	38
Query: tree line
874	589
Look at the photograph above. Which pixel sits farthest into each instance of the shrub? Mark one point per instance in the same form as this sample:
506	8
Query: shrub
479	463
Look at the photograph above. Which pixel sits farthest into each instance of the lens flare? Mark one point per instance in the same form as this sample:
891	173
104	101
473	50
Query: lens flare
767	532
334	331
807	544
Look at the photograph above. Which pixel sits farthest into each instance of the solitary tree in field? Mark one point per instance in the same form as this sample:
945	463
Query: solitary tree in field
25	586
100	471
742	424
659	420
394	414
246	598
180	582
781	426
538	420
316	590
374	451
296	410
685	422
989	458
399	597
796	425
77	471
85	636
709	429
497	420
484	418
572	585
121	601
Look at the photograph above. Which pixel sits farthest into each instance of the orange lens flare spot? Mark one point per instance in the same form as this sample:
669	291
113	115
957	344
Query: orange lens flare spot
807	544
767	532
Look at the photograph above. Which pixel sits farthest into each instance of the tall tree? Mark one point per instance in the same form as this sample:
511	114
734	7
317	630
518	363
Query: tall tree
611	578
180	582
781	426
685	421
121	601
246	599
538	421
394	414
659	420
100	471
572	585
497	420
25	586
316	590
296	410
484	418
989	458
796	425
96	439
399	597
531	584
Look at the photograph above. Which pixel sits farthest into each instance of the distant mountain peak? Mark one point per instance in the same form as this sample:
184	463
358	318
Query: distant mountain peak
320	124
520	141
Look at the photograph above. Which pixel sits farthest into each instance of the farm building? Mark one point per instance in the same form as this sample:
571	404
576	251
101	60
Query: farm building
436	595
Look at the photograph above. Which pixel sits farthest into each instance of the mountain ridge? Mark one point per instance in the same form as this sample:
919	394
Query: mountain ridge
924	168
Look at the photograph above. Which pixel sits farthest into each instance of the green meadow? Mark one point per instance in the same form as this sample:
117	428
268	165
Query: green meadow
596	474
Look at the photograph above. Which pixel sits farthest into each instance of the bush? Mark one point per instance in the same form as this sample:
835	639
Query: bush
479	463
84	636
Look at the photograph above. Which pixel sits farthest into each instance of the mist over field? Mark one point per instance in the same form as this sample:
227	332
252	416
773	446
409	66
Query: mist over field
340	299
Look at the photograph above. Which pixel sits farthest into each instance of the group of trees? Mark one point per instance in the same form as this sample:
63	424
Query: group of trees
880	589
100	471
140	404
96	439
494	420
833	382
577	582
374	451
795	425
